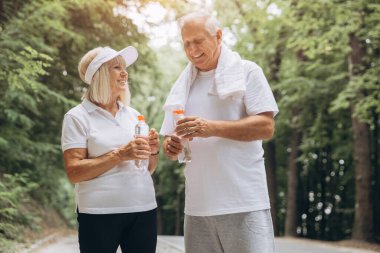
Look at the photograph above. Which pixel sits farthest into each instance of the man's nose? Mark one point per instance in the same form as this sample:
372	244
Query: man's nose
193	49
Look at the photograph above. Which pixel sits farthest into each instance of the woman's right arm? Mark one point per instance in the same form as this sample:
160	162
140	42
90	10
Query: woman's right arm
81	168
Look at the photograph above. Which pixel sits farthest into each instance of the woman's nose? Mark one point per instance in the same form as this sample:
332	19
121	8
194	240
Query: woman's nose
124	73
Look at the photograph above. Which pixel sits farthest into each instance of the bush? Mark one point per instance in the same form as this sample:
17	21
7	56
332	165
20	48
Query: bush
14	191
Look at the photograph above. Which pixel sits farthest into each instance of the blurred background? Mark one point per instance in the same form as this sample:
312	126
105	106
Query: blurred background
320	57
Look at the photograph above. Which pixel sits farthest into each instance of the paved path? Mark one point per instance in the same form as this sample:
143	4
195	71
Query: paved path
174	244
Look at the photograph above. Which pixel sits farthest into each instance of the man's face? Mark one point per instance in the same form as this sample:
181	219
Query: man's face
201	48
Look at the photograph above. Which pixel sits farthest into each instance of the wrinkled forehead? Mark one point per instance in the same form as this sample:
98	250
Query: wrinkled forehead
191	31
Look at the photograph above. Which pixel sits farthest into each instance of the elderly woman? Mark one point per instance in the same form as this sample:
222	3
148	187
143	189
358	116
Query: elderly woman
116	202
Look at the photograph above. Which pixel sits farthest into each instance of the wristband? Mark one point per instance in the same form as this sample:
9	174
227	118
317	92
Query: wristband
155	153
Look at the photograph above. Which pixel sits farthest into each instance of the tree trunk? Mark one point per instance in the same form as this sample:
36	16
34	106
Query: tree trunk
323	173
293	180
2	18
327	224
160	222
376	197
272	180
363	220
178	223
160	227
271	166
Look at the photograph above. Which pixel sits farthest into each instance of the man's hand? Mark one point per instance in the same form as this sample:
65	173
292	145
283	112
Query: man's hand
190	127
172	146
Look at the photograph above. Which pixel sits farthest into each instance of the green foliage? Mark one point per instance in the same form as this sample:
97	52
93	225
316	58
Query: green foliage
14	191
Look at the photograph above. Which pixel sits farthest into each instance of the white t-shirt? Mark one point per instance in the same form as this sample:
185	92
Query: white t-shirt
226	176
122	189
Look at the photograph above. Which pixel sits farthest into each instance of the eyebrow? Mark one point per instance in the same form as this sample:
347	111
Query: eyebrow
198	38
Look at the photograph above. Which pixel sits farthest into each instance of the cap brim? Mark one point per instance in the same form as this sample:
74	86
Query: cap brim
129	54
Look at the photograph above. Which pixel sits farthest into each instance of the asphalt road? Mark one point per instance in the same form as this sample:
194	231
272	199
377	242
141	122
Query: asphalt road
174	244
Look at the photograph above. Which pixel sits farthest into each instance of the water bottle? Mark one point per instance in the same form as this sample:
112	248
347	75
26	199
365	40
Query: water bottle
141	130
185	155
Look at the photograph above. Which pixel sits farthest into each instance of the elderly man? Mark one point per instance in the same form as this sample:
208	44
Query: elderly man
230	109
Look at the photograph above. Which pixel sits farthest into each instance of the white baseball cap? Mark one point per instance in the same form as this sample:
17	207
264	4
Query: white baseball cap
129	54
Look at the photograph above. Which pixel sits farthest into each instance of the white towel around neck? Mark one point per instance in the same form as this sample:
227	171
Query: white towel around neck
229	80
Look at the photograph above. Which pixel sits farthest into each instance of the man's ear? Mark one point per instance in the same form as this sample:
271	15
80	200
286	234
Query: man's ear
219	35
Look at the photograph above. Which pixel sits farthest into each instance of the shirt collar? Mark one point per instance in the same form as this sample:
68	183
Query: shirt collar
90	107
121	105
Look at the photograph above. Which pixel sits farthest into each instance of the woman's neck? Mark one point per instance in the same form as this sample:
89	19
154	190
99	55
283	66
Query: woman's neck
112	107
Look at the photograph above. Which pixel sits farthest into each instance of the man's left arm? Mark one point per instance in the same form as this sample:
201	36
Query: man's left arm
255	127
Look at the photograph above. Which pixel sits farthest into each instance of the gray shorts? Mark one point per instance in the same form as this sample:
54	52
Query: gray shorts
249	232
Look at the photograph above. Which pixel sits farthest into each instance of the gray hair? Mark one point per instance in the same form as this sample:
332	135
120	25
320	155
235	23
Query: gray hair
211	23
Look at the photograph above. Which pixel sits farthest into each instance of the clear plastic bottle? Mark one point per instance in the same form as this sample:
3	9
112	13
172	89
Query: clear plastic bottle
141	130
185	155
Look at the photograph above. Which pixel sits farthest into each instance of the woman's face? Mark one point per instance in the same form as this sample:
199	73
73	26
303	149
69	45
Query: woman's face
118	76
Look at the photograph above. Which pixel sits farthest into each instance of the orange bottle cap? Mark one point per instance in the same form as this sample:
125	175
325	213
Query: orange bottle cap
140	117
179	111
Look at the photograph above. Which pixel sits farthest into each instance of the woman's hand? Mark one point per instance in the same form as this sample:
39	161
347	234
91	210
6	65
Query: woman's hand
137	149
154	142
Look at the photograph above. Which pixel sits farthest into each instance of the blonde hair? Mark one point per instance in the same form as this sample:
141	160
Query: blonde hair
99	91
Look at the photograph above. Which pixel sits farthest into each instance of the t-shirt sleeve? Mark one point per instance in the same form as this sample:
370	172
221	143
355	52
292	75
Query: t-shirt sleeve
167	127
259	96
74	134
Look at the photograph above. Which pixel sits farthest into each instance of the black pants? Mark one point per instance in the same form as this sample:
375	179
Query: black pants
103	233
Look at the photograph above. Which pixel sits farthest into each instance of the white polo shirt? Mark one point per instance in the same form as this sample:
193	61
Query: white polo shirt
226	176
122	189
